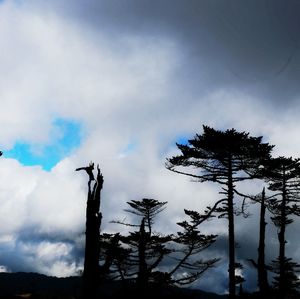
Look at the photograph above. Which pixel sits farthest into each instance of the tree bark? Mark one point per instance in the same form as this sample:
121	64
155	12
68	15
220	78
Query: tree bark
281	239
261	266
142	278
231	239
92	241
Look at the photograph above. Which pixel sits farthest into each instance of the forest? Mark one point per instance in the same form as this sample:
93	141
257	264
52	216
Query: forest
133	264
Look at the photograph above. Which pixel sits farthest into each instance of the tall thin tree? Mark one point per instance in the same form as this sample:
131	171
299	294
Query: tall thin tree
225	157
93	222
260	265
283	176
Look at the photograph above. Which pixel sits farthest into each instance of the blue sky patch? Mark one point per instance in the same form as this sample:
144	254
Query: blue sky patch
66	136
182	140
130	147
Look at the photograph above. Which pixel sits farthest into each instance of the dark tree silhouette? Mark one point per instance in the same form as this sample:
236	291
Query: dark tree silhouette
224	157
283	176
113	257
290	279
262	273
189	244
91	270
260	265
149	249
89	170
147	209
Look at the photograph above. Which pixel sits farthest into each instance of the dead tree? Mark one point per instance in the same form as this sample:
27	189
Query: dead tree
92	233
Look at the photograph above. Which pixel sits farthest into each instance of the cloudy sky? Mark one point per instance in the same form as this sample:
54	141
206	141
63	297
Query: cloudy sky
119	82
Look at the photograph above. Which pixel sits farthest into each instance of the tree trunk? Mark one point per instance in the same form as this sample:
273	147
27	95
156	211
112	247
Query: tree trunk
92	241
261	266
281	239
231	240
142	278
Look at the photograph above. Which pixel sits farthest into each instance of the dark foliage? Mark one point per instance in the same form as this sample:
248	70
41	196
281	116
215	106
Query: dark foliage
224	157
283	176
147	249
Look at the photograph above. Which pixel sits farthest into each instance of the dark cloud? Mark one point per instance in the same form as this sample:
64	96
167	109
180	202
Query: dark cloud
252	46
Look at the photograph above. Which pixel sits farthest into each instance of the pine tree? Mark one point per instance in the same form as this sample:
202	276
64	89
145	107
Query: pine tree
113	257
148	249
189	243
260	265
262	273
283	176
225	158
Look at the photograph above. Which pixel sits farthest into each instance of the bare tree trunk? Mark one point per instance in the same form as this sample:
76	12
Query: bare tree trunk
281	239
231	240
92	242
261	266
142	279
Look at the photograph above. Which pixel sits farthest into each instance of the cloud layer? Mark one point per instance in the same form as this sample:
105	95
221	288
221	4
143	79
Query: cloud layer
137	76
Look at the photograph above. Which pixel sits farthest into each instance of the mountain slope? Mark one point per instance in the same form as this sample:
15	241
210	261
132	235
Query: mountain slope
12	285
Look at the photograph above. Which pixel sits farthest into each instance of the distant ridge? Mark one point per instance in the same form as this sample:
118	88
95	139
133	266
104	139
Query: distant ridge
34	285
12	284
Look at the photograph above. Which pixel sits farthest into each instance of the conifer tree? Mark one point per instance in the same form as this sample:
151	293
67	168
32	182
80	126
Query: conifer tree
283	176
113	258
262	273
260	265
148	248
190	242
226	158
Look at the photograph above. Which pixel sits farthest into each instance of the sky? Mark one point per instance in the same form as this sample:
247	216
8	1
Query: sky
119	83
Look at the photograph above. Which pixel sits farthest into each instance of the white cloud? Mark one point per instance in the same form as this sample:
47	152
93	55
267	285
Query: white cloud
51	68
3	269
123	89
50	258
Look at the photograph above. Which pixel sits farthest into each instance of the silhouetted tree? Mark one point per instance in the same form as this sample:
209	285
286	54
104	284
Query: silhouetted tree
260	265
148	249
189	244
283	176
113	257
93	222
262	272
147	209
290	279
224	157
